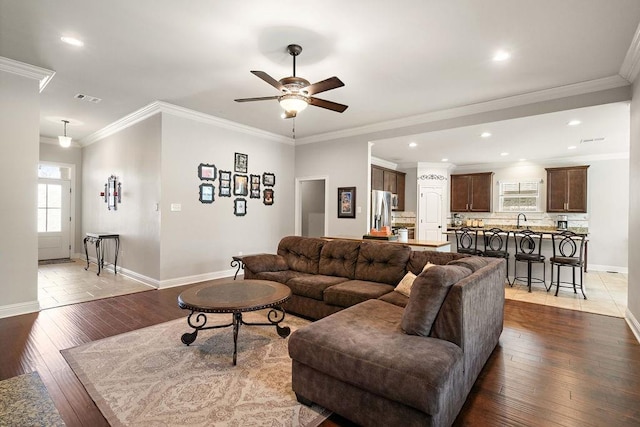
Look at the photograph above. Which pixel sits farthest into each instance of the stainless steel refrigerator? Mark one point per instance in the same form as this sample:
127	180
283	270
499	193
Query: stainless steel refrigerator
380	209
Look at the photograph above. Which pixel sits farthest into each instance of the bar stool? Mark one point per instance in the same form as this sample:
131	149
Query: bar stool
496	245
568	248
467	241
528	247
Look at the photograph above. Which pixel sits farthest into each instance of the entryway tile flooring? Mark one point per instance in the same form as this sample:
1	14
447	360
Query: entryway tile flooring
606	294
70	283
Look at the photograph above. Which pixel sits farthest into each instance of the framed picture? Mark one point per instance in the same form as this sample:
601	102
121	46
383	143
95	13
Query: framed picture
225	176
206	193
254	181
241	163
206	172
240	185
346	202
268	179
224	191
240	207
267	196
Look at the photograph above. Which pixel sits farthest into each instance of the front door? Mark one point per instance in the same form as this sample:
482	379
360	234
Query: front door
431	214
54	202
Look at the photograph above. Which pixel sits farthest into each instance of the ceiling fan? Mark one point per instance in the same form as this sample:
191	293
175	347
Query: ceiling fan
297	92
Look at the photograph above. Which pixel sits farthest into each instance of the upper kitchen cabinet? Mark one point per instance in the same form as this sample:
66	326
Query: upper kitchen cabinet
471	192
389	180
567	189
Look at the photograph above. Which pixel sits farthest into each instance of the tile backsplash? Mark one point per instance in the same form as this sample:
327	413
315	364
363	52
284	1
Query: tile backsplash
403	218
538	219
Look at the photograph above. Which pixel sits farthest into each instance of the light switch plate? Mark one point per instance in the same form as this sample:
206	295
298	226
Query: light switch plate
176	207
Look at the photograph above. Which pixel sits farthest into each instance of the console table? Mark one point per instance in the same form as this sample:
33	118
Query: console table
96	239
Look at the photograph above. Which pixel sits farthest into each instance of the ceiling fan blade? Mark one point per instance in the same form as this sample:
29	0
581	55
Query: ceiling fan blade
329	105
263	98
267	78
328	84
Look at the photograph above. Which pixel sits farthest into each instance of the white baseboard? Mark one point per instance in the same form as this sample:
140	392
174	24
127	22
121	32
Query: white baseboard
186	280
633	324
17	309
616	269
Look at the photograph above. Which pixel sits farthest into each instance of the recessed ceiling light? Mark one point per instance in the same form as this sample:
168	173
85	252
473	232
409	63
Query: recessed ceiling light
445	160
501	55
574	122
72	41
485	134
413	144
504	154
571	147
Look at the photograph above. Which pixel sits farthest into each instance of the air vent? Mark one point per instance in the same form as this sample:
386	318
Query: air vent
582	141
88	98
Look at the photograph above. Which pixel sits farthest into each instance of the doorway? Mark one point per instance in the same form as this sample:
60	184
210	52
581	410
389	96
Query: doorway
54	212
430	214
311	207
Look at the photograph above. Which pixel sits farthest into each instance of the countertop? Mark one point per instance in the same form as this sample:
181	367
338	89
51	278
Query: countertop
410	242
542	229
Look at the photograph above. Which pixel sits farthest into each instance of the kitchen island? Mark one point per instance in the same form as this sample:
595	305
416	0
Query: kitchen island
416	245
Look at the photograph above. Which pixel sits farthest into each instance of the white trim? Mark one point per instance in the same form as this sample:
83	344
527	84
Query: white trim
18	309
545	162
43	75
145	280
611	268
383	163
633	323
164	107
631	64
187	280
298	203
581	88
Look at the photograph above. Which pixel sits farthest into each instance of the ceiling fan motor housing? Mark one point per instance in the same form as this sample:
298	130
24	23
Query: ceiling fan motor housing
294	85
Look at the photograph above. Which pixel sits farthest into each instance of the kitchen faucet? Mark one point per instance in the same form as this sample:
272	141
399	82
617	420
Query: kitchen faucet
518	221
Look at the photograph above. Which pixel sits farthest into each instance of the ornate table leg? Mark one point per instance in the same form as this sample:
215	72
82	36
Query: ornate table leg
115	262
236	263
237	321
98	257
86	252
275	317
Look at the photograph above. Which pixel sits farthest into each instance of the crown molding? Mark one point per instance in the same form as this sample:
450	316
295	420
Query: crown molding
596	85
175	110
43	75
383	163
564	161
631	64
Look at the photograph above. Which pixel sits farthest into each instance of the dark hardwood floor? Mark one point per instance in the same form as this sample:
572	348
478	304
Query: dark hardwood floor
552	366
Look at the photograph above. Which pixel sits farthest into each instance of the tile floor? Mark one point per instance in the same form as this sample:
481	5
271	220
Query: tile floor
606	294
69	283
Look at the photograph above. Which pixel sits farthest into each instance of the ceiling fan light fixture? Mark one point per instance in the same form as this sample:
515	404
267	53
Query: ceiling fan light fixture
293	103
64	140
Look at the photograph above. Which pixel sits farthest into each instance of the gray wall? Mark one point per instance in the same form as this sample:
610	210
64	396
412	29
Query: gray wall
346	163
19	140
201	238
411	189
312	208
54	153
633	302
133	155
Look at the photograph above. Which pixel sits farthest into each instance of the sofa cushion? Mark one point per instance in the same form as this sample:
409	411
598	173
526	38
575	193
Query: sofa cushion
395	298
364	346
301	253
382	262
338	258
427	295
473	263
313	286
279	276
353	292
418	259
265	262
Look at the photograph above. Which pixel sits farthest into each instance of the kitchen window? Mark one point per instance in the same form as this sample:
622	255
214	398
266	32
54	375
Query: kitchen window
520	196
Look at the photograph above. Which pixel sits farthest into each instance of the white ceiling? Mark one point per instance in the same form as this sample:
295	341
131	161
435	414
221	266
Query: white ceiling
397	59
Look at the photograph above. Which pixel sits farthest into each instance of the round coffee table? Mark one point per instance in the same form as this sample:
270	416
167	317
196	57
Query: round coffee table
235	297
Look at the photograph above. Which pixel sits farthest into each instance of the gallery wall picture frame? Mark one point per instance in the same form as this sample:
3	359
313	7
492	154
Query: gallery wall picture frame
206	172
240	185
224	191
240	207
225	175
206	193
346	202
254	186
269	179
267	196
241	163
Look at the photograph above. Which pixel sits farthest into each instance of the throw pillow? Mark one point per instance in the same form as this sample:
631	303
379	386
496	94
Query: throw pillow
427	266
427	295
404	287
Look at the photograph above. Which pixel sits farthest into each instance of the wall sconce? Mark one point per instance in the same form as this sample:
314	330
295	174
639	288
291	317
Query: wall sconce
112	192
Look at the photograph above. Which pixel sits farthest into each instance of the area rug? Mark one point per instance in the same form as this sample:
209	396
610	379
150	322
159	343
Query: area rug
149	378
55	261
24	401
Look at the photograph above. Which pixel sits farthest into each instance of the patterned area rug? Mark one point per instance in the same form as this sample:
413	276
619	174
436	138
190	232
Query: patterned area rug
149	378
24	401
55	261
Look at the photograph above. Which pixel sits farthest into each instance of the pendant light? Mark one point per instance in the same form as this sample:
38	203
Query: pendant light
65	141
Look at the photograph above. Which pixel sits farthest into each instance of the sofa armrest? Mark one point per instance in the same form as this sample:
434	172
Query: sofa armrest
265	262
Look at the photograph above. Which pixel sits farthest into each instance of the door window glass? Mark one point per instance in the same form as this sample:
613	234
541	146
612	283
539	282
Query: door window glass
49	208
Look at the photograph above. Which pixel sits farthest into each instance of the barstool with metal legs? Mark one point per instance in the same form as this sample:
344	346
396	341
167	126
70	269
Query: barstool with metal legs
568	248
528	247
496	245
467	241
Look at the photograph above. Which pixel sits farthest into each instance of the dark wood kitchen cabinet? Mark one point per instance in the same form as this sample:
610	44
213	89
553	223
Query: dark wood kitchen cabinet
471	192
389	180
567	189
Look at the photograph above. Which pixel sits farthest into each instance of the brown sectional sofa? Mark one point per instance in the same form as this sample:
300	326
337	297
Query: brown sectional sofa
375	356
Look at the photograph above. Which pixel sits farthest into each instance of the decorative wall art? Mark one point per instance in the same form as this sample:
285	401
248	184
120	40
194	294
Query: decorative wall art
254	192
206	193
207	172
268	179
240	207
241	163
346	202
112	192
267	198
225	183
240	185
